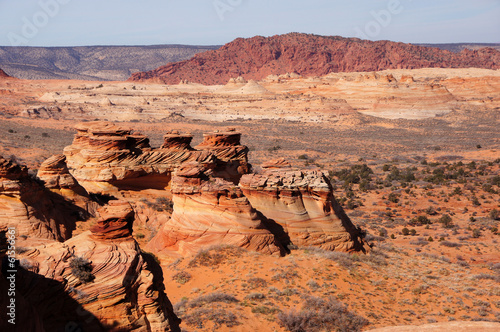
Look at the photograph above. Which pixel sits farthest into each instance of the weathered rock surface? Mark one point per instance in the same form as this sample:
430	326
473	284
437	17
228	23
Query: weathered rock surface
126	292
232	157
115	221
3	74
302	207
311	55
105	158
32	209
210	211
56	177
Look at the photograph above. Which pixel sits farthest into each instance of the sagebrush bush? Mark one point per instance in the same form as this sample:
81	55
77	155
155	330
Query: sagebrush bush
319	314
215	255
182	277
82	269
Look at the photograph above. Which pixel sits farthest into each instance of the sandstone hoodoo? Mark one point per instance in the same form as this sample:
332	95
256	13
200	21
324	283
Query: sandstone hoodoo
56	177
302	208
104	158
311	55
115	221
210	211
30	207
265	213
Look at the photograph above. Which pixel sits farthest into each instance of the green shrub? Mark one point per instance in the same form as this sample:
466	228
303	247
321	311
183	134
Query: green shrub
446	221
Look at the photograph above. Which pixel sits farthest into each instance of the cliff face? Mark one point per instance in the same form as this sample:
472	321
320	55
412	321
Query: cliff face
301	205
112	285
30	207
311	55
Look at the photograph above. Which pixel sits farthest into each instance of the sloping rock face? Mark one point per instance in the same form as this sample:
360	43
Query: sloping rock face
210	211
105	158
3	74
126	291
311	55
32	209
303	208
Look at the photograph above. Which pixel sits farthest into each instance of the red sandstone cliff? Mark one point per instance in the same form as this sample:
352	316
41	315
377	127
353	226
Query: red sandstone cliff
311	55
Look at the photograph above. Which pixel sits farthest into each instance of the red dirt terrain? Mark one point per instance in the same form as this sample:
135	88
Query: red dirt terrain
311	55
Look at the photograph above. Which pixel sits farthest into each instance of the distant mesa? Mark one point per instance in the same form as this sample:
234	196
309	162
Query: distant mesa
310	55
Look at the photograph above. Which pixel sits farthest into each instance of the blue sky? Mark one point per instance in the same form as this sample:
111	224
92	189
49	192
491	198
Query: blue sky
215	22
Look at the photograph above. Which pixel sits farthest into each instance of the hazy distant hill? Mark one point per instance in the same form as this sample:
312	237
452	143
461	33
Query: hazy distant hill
90	62
458	47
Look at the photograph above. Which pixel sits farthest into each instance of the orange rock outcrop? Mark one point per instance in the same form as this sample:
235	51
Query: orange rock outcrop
301	208
124	291
32	209
105	158
210	211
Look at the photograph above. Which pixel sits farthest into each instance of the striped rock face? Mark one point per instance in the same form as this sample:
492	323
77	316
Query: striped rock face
301	209
126	290
105	158
31	208
211	211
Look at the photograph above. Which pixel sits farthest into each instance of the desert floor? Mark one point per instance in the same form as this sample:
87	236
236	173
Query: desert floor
413	156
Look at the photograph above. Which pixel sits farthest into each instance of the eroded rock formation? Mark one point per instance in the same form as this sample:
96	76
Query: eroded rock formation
105	158
32	209
302	208
209	211
311	55
232	157
122	290
115	221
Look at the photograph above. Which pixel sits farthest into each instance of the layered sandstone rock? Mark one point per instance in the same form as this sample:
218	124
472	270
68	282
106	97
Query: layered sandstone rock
105	158
115	221
124	293
311	55
232	157
56	177
32	209
210	211
301	208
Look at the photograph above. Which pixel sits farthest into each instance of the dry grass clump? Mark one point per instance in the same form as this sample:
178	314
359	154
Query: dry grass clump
319	314
207	308
215	255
